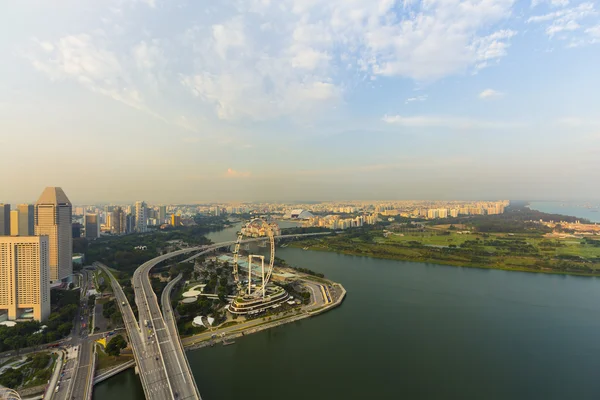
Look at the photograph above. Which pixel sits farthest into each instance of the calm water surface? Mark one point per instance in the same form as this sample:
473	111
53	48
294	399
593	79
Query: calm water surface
410	330
588	210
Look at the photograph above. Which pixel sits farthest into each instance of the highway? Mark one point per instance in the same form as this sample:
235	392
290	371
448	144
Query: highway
79	373
84	375
146	353
170	354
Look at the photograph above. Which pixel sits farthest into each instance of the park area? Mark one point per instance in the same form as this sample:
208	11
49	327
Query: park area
439	244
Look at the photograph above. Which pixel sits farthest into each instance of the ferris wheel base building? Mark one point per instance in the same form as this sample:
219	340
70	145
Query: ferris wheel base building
249	305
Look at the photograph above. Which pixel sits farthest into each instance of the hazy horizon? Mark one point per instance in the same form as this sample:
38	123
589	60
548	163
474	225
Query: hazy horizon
181	101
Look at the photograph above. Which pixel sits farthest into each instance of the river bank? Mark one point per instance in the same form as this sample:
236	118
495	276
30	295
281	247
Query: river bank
248	328
510	252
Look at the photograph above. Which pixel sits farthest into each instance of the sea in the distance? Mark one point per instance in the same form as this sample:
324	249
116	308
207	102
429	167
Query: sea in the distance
413	331
583	209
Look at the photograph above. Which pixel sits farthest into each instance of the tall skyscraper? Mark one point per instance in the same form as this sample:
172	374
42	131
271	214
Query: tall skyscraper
175	220
141	216
162	214
4	219
53	214
25	276
129	223
14	223
108	221
118	223
26	219
91	224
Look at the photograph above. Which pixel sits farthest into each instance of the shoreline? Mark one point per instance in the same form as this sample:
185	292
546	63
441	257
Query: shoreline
244	331
437	262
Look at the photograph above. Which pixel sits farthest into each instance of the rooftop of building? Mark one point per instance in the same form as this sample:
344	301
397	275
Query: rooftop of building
53	195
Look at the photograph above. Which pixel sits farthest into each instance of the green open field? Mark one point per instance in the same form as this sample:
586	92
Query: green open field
523	251
106	361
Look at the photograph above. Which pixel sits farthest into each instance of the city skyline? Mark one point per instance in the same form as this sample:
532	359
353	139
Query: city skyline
329	100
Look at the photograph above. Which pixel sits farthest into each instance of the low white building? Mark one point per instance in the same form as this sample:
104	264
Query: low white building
299	214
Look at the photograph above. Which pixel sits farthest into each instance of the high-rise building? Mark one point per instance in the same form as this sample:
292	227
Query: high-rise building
176	220
141	216
91	224
76	229
4	219
118	223
53	214
162	214
129	223
25	276
26	219
14	223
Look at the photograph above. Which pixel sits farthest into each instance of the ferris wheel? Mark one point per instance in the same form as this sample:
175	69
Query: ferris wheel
264	229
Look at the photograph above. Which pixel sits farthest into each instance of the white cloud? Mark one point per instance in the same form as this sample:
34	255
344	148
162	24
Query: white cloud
594	33
553	3
566	20
428	121
311	43
308	58
78	57
229	36
263	59
148	56
490	94
416	99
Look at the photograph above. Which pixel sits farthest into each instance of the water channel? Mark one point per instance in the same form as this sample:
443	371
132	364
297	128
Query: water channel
411	330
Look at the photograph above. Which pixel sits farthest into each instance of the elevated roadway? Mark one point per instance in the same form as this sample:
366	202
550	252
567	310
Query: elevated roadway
146	352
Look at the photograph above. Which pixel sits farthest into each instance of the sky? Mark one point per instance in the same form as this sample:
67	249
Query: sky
250	100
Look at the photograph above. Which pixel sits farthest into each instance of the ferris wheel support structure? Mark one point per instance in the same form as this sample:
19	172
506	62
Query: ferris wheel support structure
266	275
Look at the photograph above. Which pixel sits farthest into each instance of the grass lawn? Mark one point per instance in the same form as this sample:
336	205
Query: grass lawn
101	274
528	252
105	361
431	237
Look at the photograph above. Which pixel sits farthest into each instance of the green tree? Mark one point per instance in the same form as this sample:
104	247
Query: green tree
11	378
35	340
65	328
91	301
115	345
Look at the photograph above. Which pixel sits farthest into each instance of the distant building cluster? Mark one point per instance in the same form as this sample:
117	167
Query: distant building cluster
130	218
578	229
435	210
406	208
259	230
336	222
